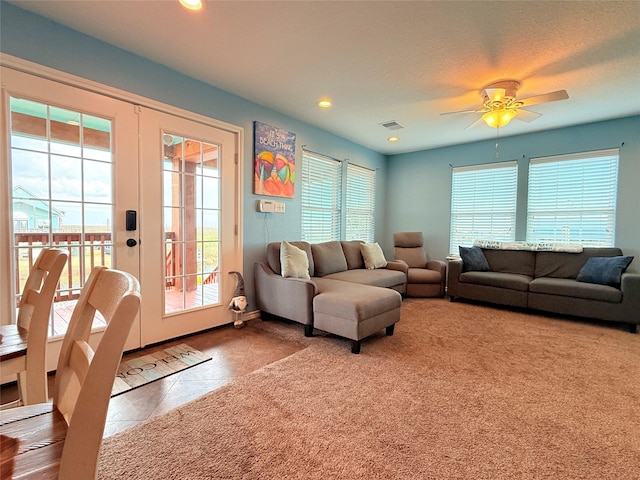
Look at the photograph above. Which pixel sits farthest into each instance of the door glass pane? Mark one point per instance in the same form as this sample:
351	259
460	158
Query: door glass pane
191	206
66	171
61	184
97	182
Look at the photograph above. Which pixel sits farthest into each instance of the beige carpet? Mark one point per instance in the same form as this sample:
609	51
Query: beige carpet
459	392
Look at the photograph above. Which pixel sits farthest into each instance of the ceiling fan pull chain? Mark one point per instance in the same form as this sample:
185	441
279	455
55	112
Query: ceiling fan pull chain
497	142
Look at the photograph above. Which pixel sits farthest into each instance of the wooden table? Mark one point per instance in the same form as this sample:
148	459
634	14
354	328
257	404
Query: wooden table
13	343
31	442
13	351
32	435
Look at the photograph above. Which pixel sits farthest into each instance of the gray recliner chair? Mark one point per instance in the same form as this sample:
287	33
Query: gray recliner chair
425	278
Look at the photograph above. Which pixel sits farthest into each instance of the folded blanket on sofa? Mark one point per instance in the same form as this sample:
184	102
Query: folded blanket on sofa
535	247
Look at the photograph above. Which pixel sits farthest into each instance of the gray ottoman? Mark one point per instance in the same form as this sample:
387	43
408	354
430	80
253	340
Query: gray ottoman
354	311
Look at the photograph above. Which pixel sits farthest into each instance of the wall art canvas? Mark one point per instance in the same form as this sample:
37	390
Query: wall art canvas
274	170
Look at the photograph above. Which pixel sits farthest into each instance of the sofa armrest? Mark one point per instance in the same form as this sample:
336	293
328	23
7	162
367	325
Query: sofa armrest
630	281
455	269
290	298
437	265
399	265
630	286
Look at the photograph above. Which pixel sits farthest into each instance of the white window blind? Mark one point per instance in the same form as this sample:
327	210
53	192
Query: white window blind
360	204
483	203
572	198
321	198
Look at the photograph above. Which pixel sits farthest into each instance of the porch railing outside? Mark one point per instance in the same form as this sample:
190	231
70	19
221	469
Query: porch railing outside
93	247
86	251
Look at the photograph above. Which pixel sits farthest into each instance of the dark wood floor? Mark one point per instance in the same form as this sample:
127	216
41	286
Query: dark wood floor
234	352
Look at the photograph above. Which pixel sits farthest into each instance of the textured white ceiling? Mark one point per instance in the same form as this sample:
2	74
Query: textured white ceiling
407	61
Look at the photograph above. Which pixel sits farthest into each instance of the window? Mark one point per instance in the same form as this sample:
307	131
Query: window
572	198
323	197
61	184
360	201
483	203
191	223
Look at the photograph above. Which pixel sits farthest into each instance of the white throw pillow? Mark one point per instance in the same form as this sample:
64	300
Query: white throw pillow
372	255
293	261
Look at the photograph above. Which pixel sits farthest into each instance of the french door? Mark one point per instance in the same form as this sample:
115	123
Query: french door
124	186
190	220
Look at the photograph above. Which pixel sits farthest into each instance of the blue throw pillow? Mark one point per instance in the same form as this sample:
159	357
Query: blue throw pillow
604	270
473	259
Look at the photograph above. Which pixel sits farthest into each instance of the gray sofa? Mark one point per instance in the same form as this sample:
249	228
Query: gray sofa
341	296
546	281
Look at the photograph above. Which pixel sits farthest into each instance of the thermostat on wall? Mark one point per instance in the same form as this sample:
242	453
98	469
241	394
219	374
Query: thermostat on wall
266	206
269	206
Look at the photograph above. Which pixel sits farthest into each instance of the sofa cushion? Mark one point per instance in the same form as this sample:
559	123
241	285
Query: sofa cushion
293	261
522	262
328	258
380	277
408	239
273	256
473	259
353	301
352	253
567	287
512	281
422	275
568	265
414	257
604	270
373	256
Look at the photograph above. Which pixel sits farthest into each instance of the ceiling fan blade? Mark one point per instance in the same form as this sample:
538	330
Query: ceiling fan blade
544	98
475	123
527	115
462	111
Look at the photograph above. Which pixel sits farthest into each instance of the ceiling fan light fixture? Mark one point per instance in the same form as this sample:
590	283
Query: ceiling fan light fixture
191	4
499	118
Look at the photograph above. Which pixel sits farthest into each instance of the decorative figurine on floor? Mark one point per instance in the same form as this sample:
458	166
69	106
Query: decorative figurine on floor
239	301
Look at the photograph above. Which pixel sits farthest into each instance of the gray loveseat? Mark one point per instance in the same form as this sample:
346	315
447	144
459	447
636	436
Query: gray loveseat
547	281
341	296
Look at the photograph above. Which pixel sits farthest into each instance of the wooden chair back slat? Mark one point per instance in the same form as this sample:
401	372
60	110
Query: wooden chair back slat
116	295
34	311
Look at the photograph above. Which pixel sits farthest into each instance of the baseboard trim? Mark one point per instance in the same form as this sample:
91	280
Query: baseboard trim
251	315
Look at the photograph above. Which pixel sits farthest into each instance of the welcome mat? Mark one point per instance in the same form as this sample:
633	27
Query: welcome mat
149	367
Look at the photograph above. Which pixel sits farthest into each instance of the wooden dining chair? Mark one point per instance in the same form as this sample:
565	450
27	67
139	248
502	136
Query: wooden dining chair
62	440
34	311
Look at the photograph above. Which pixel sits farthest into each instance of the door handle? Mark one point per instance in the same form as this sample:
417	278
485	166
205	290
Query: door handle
131	242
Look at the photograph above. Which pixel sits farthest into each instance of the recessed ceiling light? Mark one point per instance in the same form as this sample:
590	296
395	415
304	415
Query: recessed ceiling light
324	103
393	138
191	4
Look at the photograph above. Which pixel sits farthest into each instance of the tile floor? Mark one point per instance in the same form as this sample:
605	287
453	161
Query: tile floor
234	352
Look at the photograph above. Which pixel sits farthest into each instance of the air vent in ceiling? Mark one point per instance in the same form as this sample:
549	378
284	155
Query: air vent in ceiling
392	125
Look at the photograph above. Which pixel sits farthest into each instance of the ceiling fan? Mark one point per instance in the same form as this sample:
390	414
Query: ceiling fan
500	106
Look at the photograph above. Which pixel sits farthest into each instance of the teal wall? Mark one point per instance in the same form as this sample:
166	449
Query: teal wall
414	189
419	183
36	39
